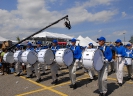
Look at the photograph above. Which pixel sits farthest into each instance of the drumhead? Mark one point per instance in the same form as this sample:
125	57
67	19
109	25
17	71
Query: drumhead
98	60
17	56
29	57
46	56
87	58
64	56
8	57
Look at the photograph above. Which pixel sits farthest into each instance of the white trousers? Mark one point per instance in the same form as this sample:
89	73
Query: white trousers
91	73
102	79
119	69
72	72
43	67
29	69
54	70
17	67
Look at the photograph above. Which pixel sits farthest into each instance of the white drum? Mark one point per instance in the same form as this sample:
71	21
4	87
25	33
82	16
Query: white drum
98	60
64	56
87	58
45	56
29	57
128	61
17	56
8	57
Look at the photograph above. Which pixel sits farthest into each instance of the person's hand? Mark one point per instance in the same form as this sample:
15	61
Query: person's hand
106	60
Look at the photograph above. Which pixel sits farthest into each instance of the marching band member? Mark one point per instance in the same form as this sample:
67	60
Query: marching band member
72	68
17	65
29	66
112	63
120	51
54	66
91	71
129	54
37	65
103	73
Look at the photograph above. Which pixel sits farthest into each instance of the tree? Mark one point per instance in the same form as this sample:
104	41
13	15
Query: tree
18	39
131	39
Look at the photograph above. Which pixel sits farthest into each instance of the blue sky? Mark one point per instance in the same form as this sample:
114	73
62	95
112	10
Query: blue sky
93	18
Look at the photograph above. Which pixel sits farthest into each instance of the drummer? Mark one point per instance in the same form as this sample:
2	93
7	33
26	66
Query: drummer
129	54
120	51
54	66
103	73
29	67
91	71
72	68
18	64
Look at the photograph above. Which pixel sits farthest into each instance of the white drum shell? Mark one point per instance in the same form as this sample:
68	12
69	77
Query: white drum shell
29	57
45	56
8	57
17	56
98	60
87	58
128	61
64	56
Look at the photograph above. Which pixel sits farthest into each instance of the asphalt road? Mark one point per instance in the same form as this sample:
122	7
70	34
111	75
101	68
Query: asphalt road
20	86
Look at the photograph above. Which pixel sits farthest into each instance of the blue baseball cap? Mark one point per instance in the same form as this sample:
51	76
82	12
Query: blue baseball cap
39	42
55	41
90	44
118	41
128	45
29	44
18	46
73	40
101	39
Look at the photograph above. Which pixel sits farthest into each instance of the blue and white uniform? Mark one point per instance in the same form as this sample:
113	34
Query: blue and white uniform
77	56
54	66
129	56
120	51
103	73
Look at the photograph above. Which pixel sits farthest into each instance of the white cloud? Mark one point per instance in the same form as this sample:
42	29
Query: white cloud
123	14
31	16
119	33
100	31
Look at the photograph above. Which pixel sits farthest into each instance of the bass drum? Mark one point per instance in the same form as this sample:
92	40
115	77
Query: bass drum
98	60
29	57
87	58
17	56
8	57
45	56
128	61
64	56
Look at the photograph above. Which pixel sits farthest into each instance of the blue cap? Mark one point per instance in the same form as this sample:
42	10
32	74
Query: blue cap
118	41
73	40
128	45
18	46
55	41
90	44
39	42
29	44
101	39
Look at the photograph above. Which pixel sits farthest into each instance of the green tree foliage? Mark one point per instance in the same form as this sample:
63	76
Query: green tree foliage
131	39
18	39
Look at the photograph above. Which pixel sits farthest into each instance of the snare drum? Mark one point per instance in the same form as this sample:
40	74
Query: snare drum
45	56
128	61
64	56
29	57
87	58
98	60
8	57
17	56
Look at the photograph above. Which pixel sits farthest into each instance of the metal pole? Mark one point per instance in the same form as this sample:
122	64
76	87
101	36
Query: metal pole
124	38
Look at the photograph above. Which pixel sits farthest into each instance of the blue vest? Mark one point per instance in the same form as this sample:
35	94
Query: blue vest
54	49
38	49
120	51
32	49
129	53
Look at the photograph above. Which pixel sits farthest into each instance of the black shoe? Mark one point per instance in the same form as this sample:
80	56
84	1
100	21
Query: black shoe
91	80
71	86
74	86
43	74
38	80
57	75
102	94
55	82
17	75
120	84
129	77
29	76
